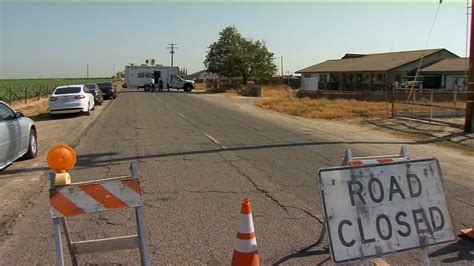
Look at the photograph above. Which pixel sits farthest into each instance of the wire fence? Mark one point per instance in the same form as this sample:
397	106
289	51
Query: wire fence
433	107
25	93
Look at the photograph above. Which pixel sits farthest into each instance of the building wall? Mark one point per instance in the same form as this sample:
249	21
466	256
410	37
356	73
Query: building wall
310	81
455	82
208	75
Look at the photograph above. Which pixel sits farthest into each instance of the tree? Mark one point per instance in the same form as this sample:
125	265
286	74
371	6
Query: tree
235	56
147	61
152	62
120	74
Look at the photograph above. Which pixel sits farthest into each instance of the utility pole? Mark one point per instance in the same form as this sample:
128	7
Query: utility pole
281	63
281	67
113	71
172	46
87	70
469	120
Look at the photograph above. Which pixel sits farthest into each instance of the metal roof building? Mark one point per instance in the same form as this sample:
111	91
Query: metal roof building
369	71
449	74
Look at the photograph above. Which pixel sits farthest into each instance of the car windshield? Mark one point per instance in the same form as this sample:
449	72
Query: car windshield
105	84
67	90
91	86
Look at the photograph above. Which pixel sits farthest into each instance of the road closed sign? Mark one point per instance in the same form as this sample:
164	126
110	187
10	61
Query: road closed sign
381	209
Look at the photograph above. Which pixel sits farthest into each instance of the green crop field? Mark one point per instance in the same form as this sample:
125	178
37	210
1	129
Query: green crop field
19	89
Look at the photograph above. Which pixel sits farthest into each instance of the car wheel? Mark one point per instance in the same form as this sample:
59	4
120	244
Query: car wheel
32	146
187	88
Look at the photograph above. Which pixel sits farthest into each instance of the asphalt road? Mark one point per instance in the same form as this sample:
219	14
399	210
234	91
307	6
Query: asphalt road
197	159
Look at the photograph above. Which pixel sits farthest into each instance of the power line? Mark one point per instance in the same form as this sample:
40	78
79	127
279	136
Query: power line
426	45
172	46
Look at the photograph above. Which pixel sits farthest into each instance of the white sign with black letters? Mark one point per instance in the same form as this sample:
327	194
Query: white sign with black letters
386	208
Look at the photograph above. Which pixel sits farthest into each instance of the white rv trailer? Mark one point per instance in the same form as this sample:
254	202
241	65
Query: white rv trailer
147	76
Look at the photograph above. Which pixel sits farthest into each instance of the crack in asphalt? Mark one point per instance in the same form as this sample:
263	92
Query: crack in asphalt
268	193
463	202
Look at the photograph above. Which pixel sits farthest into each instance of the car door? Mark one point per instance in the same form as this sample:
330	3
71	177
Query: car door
89	96
175	82
10	134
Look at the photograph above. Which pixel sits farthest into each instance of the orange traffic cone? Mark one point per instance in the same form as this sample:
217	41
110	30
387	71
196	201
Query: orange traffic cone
468	232
245	251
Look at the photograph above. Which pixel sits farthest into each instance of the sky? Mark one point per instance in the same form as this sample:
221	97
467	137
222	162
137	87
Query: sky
59	39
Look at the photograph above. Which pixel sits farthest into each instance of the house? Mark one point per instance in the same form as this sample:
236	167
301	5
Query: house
369	71
202	75
449	74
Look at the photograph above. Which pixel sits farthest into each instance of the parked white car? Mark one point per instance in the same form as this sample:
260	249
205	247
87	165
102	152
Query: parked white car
17	136
71	99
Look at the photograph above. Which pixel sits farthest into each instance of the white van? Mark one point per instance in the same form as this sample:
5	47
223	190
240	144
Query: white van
147	77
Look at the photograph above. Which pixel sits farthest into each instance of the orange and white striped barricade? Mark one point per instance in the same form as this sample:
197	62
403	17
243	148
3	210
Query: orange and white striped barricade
96	196
370	160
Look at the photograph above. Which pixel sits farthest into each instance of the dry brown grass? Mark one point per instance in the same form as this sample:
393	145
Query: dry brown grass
284	101
200	86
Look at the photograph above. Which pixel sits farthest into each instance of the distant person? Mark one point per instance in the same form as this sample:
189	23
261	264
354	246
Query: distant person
396	85
160	85
153	87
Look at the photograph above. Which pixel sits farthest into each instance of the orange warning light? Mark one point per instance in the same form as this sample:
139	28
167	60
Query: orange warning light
61	158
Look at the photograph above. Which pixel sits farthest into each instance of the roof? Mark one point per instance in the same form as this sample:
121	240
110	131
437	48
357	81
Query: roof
74	85
202	72
147	66
196	74
449	65
370	62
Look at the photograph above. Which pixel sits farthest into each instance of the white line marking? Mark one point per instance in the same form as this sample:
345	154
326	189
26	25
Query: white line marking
215	140
182	116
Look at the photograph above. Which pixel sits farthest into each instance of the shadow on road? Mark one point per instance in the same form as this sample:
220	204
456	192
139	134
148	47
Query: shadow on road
97	160
461	250
94	160
306	252
7	173
40	117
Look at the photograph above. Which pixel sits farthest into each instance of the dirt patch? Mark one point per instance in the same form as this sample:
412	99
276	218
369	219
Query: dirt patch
33	108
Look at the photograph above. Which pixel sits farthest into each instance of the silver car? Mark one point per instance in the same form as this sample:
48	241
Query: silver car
17	136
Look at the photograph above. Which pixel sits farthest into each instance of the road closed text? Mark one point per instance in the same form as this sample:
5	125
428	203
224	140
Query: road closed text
381	209
401	223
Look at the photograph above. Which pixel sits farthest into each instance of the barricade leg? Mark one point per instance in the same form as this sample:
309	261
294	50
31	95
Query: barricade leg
141	236
57	242
69	241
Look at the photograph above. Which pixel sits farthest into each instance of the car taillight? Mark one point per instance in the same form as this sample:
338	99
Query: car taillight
52	99
79	97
